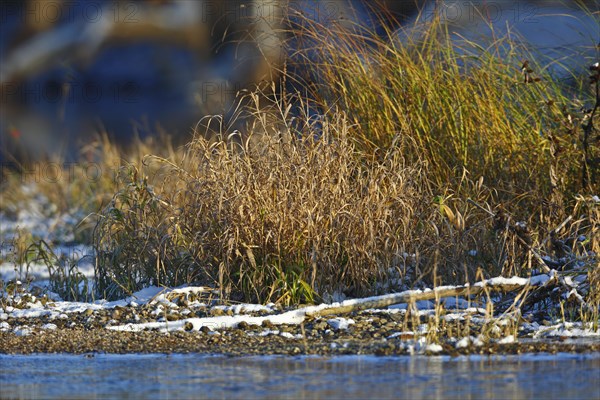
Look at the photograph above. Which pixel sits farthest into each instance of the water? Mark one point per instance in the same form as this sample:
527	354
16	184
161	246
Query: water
562	376
562	35
130	88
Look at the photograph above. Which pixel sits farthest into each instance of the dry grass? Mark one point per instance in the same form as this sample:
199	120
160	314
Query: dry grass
280	220
429	162
60	187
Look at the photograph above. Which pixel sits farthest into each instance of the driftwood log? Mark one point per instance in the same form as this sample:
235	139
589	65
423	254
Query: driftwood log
504	285
298	316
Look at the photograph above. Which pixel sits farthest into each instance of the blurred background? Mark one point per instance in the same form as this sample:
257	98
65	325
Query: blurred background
70	69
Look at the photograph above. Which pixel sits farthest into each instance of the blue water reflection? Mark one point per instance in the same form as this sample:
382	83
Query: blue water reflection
200	376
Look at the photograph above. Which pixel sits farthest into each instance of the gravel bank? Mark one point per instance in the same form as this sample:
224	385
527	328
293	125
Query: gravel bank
379	334
193	320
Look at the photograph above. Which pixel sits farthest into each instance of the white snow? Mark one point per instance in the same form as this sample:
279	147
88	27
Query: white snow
567	329
268	332
288	335
433	348
499	281
164	299
416	346
213	323
456	303
22	331
421	305
340	323
401	334
467	341
507	339
539	280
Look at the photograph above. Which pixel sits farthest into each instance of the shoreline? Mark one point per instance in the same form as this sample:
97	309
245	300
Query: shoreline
193	320
387	332
232	343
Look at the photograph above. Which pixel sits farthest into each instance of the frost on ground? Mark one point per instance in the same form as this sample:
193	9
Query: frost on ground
40	218
39	221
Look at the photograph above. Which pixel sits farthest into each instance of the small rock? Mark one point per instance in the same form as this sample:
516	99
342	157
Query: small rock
217	312
397	317
320	325
267	324
205	329
243	325
22	331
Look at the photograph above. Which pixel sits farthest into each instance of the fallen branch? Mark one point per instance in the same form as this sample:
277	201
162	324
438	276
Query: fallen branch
298	316
495	284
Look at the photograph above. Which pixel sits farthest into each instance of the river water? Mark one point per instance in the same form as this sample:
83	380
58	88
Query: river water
130	88
544	376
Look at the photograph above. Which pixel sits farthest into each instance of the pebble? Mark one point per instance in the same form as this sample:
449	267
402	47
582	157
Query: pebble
243	325
267	324
217	312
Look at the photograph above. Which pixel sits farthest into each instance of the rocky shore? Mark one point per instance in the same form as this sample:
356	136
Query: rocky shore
81	329
237	342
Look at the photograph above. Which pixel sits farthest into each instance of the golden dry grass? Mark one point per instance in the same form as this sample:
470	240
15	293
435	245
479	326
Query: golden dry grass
428	162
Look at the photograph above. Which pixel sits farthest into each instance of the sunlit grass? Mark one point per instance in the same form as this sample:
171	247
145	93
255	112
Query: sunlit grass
414	159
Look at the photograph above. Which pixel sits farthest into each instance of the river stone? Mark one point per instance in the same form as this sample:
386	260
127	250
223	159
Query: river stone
205	329
320	325
398	317
217	312
243	325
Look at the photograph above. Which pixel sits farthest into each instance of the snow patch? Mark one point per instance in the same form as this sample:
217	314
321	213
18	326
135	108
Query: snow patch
22	331
568	329
507	340
468	341
340	323
433	348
